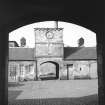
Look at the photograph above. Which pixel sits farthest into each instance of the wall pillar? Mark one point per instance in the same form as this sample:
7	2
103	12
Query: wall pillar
68	72
3	67
100	68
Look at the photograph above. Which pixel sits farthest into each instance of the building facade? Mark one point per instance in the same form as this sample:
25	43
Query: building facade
80	62
51	60
21	64
49	51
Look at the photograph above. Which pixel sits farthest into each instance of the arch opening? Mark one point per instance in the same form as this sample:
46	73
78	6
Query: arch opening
51	70
54	66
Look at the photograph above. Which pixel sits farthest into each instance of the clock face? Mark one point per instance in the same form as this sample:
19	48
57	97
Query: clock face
49	35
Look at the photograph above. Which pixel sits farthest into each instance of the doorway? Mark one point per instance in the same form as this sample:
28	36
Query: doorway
49	70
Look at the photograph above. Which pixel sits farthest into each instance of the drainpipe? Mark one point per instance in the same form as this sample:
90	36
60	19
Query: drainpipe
56	24
67	72
35	60
89	71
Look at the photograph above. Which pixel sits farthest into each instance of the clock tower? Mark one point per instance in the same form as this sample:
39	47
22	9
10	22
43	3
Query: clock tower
49	51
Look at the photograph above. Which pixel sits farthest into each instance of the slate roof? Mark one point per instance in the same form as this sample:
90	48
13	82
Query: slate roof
21	54
70	53
78	53
15	43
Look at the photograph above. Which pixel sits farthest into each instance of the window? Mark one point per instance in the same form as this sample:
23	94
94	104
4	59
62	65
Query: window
21	69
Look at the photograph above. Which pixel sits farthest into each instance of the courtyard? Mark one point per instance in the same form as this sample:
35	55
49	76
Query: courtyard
54	92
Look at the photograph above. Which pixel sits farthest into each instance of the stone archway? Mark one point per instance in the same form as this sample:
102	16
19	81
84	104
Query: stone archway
49	69
13	17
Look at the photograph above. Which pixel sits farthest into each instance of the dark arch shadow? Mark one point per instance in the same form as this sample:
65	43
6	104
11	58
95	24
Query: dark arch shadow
30	20
57	67
17	14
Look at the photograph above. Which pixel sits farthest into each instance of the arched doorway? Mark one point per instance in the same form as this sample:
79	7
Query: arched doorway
49	70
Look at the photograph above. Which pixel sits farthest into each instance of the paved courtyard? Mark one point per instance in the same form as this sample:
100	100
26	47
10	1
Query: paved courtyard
54	92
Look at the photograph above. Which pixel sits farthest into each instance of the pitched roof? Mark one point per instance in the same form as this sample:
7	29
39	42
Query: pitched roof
14	42
70	53
21	54
79	53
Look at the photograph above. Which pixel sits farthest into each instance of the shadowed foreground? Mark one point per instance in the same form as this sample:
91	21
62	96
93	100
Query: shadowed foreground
54	92
87	100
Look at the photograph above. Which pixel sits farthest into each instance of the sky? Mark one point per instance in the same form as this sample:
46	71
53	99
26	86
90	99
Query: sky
71	33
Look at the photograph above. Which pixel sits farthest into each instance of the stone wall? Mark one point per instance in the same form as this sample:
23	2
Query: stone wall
49	51
48	42
49	66
80	69
93	69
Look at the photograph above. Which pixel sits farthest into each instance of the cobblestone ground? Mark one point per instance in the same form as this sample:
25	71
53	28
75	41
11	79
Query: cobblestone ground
54	92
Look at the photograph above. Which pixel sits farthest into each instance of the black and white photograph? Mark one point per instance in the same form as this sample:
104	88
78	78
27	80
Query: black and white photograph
51	53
